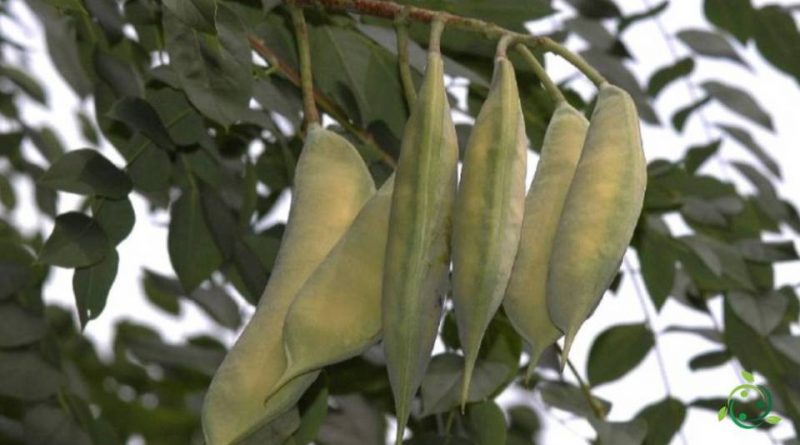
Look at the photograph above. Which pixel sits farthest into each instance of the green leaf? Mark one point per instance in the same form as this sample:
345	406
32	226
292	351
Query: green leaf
788	345
199	14
142	117
777	38
19	327
744	138
24	82
773	420
45	424
668	74
214	71
115	216
569	398
91	286
76	241
681	116
354	421
220	306
617	350
722	413
596	9
762	314
710	44
738	101
657	261
87	172
192	250
24	375
62	45
697	155
47	142
747	376
649	13
108	17
767	197
592	31
709	360
664	420
150	349
486	423
15	268
765	252
734	16
620	433
162	291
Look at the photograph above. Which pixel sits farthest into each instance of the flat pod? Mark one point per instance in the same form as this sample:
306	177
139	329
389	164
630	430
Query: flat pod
337	314
600	213
488	212
525	302
417	248
332	183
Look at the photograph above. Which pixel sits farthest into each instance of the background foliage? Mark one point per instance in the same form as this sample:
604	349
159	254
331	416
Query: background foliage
200	97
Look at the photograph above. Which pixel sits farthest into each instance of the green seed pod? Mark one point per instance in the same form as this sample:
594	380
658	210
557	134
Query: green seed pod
488	212
337	313
332	183
600	213
525	302
417	250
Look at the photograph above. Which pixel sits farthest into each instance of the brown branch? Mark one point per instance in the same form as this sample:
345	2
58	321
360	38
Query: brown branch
325	103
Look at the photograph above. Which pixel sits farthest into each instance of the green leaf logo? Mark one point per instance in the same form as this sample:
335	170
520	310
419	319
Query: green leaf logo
747	376
722	412
773	420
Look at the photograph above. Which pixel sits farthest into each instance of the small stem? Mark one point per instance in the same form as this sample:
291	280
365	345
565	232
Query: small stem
577	61
503	44
304	53
437	28
598	409
538	69
401	29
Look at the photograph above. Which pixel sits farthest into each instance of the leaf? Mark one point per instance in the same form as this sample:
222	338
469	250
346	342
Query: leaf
773	420
734	16
657	262
203	360
50	425
46	142
24	82
213	71
710	44
24	375
617	350
19	327
115	216
620	433
592	31
76	241
354	421
649	13
744	138
62	45
764	252
722	413
707	333
664	419
15	268
788	345
767	197
486	423
738	101
668	74
91	286
220	306
762	314
198	14
108	17
697	155
747	376
596	9
87	172
681	116
777	38
142	117
709	360
192	250
118	74
162	291
569	398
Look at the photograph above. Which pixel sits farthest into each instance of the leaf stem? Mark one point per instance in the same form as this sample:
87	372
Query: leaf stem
391	10
597	408
539	71
401	29
304	54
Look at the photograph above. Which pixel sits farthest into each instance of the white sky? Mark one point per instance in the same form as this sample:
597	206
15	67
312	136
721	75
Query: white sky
778	93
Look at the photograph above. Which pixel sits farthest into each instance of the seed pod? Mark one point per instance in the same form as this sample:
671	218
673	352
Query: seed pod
337	313
417	248
488	212
331	185
600	213
525	302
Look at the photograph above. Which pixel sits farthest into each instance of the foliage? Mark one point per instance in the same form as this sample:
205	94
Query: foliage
175	89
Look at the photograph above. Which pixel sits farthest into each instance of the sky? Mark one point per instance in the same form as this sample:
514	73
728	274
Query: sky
651	48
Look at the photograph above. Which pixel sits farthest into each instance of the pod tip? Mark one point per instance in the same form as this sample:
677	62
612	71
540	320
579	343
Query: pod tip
568	339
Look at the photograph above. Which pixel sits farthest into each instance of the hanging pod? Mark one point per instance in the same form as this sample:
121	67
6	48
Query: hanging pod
600	213
331	186
525	301
488	211
417	249
337	314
